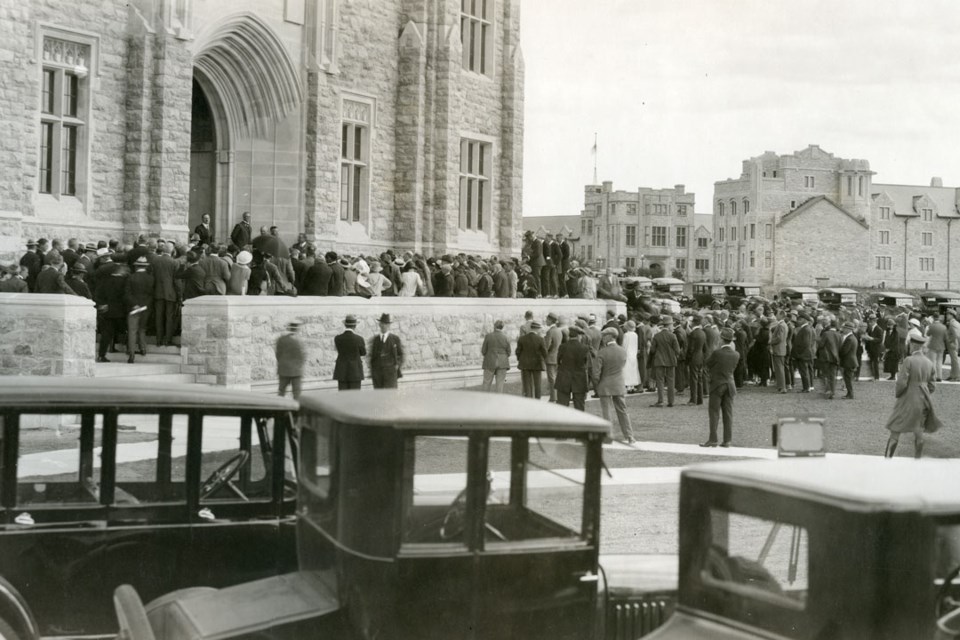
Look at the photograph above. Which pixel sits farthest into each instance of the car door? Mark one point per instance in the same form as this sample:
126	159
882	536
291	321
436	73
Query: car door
241	529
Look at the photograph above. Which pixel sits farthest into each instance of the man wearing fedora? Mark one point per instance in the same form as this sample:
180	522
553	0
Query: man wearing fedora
386	356
609	384
290	360
31	262
496	358
531	360
720	366
551	341
348	370
138	295
848	358
664	353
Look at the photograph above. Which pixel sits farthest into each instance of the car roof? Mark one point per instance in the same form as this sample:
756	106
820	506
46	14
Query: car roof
940	294
36	391
743	284
708	284
894	294
799	289
863	483
838	290
667	281
432	409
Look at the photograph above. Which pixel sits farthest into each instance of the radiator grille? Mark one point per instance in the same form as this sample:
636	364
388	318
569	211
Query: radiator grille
632	619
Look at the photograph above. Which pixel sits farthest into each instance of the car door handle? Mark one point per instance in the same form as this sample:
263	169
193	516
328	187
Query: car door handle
588	576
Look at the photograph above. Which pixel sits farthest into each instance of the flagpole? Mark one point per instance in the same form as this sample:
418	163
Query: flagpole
594	157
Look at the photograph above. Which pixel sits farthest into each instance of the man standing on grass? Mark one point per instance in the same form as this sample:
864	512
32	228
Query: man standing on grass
348	369
290	360
551	341
531	360
720	366
496	358
609	383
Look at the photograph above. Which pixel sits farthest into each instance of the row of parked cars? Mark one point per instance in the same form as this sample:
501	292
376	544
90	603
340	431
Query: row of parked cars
435	514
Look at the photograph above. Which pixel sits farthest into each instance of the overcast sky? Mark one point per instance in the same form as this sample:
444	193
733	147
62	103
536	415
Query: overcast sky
681	91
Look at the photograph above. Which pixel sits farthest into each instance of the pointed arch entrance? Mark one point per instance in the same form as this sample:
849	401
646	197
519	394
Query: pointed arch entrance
245	135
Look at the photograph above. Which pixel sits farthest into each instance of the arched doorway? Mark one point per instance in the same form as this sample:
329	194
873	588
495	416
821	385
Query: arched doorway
203	162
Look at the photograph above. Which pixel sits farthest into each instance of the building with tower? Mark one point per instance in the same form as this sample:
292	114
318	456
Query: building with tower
365	125
811	217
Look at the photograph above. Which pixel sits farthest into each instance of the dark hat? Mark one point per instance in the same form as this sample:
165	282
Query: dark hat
552	316
384	318
574	330
350	321
78	268
90	246
727	335
848	326
917	339
293	324
31	243
610	331
534	324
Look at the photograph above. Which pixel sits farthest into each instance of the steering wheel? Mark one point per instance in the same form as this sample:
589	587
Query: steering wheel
223	474
947	608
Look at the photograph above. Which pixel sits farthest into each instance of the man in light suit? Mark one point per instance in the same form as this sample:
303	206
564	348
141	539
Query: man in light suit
664	352
386	356
290	360
573	370
720	366
496	357
348	370
608	381
552	340
778	351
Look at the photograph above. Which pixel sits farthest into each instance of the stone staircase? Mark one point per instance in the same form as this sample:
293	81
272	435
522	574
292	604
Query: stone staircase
161	364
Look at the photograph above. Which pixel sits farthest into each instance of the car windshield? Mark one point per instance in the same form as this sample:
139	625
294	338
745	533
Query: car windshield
760	559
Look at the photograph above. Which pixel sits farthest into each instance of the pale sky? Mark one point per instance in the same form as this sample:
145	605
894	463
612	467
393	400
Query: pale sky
682	91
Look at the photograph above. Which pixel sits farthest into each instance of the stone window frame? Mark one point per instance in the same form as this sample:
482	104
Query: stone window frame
483	48
733	234
720	207
753	231
598	210
680	264
88	74
631	208
485	178
658	236
702	243
681	238
885	213
927	214
589	227
630	262
769	231
926	239
884	263
733	207
357	112
927	264
809	182
746	206
630	236
613	208
681	209
767	259
701	264
752	258
720	239
884	236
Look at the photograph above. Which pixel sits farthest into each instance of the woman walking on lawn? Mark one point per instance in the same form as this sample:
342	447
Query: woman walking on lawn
913	410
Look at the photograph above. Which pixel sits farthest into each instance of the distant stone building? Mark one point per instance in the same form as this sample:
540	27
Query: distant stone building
811	217
569	226
394	123
643	228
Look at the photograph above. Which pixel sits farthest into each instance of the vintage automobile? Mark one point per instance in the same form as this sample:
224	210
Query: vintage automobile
894	302
709	295
158	486
835	297
937	301
818	548
738	292
672	286
800	295
435	514
643	284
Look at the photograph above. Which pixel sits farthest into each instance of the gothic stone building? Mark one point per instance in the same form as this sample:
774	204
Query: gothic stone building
366	125
809	216
643	228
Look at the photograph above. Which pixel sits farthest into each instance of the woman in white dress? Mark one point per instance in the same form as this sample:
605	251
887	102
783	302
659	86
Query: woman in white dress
410	281
631	370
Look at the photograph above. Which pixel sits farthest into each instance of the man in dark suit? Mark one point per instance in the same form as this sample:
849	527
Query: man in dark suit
242	232
336	287
51	279
111	309
696	353
75	281
548	275
31	263
496	358
573	370
531	360
138	294
533	249
562	259
848	358
348	370
803	350
664	352
193	276
204	234
290	360
72	253
386	356
316	279
166	305
874	344
829	358
720	366
551	340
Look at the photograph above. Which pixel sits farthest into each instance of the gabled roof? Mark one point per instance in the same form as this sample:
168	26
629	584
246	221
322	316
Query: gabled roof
904	196
812	202
567	225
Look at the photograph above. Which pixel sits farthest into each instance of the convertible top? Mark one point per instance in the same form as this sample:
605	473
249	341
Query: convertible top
865	483
433	410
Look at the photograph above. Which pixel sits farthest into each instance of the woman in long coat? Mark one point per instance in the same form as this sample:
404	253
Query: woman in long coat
913	411
760	360
631	370
893	348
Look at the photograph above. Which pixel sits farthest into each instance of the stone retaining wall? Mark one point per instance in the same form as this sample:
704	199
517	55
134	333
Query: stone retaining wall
47	335
230	339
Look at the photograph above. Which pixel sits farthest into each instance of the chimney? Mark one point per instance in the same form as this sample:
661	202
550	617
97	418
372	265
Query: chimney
936	182
679	188
607	186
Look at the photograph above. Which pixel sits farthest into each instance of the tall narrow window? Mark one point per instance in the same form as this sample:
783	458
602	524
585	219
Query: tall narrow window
849	185
631	235
681	237
927	215
860	186
746	206
354	175
474	184
476	34
753	231
63	116
720	208
884	237
659	237
768	231
733	207
884	213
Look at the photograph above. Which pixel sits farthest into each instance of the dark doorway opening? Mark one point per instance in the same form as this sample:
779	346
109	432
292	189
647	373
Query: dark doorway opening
203	162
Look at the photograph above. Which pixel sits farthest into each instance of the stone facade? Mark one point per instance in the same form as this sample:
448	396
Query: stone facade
810	217
226	106
46	335
230	339
638	229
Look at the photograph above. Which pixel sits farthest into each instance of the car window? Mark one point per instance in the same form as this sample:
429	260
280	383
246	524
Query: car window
233	459
436	496
56	465
553	473
948	549
757	558
151	458
315	453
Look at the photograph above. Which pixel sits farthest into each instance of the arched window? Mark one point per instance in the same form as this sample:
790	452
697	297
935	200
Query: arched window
733	207
719	208
746	206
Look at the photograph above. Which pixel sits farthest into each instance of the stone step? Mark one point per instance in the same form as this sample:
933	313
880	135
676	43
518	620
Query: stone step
119	368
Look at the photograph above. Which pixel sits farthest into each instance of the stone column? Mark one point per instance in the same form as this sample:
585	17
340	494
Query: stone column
409	133
47	335
511	134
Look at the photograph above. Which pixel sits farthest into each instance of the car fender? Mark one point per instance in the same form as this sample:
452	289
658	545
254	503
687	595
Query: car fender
15	612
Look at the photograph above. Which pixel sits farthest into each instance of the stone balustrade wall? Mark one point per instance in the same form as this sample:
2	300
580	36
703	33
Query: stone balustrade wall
47	335
229	340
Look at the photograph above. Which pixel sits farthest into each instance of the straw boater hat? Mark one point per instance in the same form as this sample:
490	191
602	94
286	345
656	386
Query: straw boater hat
244	257
727	334
350	321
